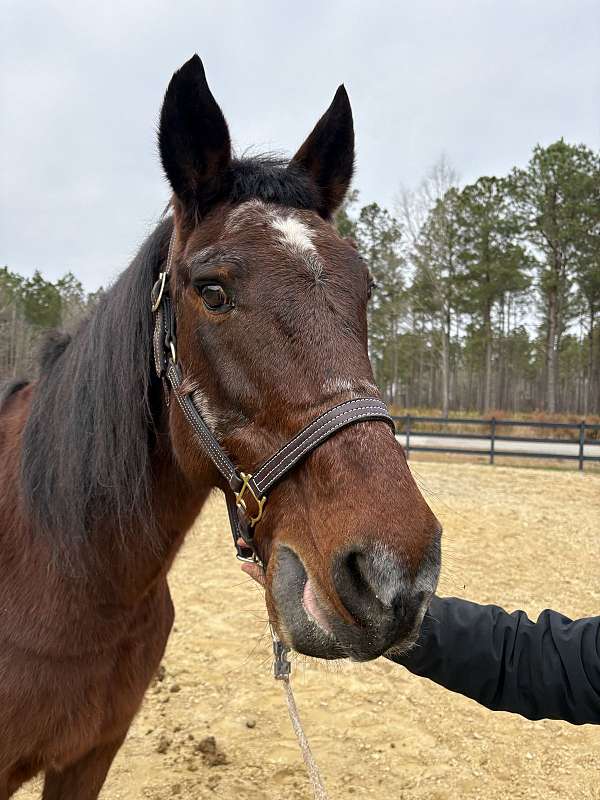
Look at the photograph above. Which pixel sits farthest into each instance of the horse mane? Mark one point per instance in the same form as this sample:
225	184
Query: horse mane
52	347
87	445
8	388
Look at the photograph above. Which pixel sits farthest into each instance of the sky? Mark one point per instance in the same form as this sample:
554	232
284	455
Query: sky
81	85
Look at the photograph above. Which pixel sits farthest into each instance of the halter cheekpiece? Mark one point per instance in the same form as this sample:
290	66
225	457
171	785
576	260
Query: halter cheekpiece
248	492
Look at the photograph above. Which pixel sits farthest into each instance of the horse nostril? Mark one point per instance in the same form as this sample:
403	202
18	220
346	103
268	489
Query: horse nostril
355	571
374	588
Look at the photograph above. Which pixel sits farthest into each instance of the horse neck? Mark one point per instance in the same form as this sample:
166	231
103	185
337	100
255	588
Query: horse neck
143	560
74	598
122	562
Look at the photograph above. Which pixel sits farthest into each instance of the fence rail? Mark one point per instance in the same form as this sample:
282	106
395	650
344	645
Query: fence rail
579	448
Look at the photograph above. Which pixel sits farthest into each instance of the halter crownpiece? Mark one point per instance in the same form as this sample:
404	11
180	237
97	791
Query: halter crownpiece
248	493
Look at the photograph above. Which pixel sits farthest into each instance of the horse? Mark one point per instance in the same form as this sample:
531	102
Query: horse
101	478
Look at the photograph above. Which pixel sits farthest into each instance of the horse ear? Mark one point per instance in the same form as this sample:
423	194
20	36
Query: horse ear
328	153
193	140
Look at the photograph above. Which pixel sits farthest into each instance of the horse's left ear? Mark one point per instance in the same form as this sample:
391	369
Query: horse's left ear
328	153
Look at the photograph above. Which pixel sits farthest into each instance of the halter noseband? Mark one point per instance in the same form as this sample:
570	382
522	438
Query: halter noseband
247	489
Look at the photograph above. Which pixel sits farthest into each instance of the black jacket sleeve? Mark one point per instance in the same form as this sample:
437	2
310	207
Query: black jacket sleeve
549	669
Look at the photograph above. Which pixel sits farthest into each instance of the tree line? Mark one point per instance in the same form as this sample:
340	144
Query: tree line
31	306
488	295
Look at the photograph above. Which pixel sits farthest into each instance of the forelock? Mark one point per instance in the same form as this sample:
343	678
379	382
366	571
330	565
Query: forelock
272	180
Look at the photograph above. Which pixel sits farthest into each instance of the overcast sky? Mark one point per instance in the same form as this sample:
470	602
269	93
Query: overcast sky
82	82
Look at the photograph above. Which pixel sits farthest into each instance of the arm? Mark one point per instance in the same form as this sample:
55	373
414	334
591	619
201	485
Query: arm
545	669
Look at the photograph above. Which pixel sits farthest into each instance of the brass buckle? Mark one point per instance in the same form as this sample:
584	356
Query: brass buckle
241	503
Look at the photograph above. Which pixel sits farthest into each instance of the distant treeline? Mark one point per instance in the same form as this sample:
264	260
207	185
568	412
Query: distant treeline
488	296
31	306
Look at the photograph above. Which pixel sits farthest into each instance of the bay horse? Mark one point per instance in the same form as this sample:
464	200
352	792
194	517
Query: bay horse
100	478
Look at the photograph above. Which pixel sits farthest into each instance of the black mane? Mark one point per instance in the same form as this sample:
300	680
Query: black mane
88	441
52	347
86	446
8	388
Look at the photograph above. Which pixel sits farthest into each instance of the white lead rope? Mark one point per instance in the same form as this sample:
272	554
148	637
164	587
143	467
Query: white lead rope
316	781
281	669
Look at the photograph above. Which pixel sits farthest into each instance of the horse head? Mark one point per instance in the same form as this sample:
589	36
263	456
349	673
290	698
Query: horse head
271	316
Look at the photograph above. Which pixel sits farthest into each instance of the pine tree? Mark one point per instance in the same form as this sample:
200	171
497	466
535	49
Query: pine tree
434	289
491	265
377	236
553	198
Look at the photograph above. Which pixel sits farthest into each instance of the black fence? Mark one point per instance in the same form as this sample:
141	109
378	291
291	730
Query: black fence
580	448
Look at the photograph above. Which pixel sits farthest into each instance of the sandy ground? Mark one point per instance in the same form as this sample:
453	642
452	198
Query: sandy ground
519	537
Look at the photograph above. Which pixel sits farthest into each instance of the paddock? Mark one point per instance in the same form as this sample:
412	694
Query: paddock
523	538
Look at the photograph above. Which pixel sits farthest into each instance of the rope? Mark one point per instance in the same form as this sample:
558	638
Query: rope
309	762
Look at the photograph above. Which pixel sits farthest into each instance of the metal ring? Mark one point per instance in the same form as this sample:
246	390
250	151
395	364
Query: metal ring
163	280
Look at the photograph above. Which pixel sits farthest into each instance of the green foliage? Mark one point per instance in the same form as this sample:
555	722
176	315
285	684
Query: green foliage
556	203
557	208
10	286
377	235
477	301
41	302
492	264
30	306
434	288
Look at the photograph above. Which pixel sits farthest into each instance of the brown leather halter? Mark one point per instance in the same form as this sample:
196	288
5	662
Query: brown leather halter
249	492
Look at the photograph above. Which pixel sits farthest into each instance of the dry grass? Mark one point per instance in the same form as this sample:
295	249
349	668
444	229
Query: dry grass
505	430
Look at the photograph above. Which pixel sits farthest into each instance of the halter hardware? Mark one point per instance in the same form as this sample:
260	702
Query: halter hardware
274	468
162	277
241	503
171	344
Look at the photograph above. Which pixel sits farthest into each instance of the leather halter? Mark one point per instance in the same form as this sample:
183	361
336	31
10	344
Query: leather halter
248	492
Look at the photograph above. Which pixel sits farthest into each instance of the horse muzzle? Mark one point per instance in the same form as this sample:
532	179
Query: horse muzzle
375	605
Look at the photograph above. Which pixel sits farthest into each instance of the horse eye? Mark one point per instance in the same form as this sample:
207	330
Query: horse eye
215	297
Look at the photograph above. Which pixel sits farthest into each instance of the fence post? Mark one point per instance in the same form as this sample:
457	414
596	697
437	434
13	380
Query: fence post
493	444
408	436
581	444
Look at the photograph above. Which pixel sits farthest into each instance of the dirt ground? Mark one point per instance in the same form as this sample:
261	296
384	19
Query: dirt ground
523	538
